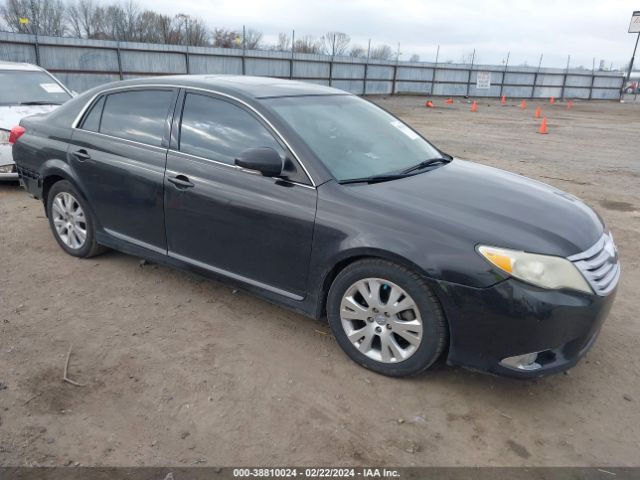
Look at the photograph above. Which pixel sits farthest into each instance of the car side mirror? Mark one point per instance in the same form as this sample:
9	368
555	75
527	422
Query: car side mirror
261	159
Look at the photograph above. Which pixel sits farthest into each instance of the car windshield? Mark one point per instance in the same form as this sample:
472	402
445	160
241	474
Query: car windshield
30	87
352	137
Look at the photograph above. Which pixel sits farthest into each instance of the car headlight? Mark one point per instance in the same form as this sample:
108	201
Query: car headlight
541	270
4	136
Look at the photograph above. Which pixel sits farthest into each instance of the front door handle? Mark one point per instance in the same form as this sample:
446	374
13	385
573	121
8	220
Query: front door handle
81	155
181	181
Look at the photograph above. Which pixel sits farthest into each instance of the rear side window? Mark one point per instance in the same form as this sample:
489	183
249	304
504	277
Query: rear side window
219	130
92	120
138	115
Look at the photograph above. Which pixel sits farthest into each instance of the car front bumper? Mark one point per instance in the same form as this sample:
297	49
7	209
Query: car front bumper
6	161
512	318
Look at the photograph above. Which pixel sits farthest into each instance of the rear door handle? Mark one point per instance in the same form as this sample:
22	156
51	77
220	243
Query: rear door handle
181	181
81	155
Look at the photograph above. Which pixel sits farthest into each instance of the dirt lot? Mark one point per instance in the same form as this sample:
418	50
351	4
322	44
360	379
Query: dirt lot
180	370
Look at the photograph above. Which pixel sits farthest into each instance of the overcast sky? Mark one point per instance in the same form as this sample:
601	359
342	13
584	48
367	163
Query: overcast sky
581	28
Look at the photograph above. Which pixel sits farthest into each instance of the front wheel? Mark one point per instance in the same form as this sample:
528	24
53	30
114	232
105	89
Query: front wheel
71	222
386	318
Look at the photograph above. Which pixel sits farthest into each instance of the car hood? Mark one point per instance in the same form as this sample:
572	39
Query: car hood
10	116
484	205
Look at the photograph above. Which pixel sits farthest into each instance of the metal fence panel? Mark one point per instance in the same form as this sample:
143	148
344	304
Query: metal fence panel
82	64
17	52
200	64
520	78
518	92
578	81
493	91
615	82
153	62
379	72
549	80
423	88
449	89
342	70
413	73
76	58
310	69
352	86
266	67
452	75
576	92
80	82
378	88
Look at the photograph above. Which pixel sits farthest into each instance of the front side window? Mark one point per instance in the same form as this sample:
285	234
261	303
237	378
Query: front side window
23	87
137	115
219	130
352	137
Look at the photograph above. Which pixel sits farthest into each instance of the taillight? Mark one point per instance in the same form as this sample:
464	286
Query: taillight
15	134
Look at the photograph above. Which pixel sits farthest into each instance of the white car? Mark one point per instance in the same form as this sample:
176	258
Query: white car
26	90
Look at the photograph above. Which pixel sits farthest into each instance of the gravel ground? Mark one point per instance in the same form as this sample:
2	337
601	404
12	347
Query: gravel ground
180	370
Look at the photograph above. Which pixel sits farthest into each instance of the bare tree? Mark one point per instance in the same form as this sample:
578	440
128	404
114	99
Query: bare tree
194	31
468	58
414	58
12	11
85	18
46	17
226	38
308	44
357	51
382	52
284	43
335	43
252	39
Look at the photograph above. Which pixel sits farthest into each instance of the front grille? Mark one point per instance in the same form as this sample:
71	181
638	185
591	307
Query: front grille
599	265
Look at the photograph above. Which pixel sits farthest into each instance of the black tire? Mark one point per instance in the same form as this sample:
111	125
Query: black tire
90	247
434	328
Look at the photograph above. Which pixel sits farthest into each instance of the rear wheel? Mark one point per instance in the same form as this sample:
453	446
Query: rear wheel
71	222
385	317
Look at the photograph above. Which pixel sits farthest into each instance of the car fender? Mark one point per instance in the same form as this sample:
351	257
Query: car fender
56	167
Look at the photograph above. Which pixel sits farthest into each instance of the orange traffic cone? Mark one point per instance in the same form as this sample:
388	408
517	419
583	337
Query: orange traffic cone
538	112
543	126
523	104
474	106
503	100
449	100
429	104
570	105
552	100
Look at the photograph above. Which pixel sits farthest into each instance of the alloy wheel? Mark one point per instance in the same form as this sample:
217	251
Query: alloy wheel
381	320
69	220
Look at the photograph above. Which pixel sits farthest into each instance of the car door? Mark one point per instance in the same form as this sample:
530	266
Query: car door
118	152
224	219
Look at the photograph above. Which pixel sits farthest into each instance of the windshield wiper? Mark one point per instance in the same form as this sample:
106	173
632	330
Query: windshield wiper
40	102
373	179
427	163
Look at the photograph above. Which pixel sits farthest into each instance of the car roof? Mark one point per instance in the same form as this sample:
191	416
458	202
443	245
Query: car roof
18	66
240	85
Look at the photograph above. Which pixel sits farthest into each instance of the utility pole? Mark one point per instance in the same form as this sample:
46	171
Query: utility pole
504	73
185	24
293	48
366	70
633	57
634	27
36	27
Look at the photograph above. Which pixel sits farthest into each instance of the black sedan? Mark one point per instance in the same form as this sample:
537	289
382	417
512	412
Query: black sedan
323	202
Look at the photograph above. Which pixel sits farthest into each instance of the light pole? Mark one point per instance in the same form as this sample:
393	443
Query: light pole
634	27
185	21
